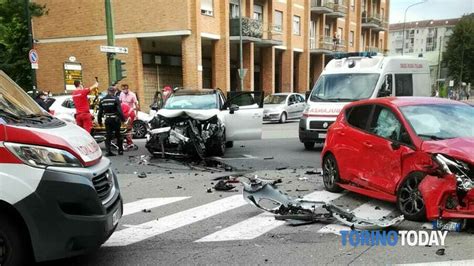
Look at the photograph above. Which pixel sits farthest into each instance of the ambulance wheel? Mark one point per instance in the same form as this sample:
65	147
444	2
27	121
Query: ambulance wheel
14	245
309	145
409	199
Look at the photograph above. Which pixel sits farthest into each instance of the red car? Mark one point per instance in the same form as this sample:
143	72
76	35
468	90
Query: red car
415	152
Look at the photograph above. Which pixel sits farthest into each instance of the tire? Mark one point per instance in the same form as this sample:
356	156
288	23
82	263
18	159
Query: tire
218	149
409	199
14	245
283	118
331	174
229	144
309	145
139	129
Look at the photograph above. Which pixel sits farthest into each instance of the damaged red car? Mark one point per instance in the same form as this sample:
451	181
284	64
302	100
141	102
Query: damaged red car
415	152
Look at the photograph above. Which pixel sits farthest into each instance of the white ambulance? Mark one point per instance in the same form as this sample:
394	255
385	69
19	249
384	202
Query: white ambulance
356	76
58	196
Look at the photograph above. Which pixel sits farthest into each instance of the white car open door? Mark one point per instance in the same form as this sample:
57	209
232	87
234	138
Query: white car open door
243	116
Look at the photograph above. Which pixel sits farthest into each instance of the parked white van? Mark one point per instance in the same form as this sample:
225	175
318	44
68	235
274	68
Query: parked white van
356	76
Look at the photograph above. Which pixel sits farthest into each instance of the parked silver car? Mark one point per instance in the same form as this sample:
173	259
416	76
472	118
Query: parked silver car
283	106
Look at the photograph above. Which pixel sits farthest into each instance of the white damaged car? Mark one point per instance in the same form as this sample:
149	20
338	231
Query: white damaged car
199	123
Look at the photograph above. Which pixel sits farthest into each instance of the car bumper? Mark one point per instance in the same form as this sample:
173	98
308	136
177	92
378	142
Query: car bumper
271	117
442	200
66	217
308	134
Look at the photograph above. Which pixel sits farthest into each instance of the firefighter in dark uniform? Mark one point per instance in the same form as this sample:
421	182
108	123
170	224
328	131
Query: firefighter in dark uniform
110	108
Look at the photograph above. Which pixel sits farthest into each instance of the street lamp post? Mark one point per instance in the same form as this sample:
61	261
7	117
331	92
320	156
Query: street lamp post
404	21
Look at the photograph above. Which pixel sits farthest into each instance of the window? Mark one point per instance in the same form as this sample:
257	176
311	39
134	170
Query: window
292	99
385	124
207	7
296	25
258	12
278	21
351	38
387	86
353	5
300	98
403	85
382	13
339	35
234	9
359	116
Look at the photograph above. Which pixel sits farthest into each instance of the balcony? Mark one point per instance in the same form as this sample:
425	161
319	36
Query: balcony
272	36
374	22
322	6
339	11
372	49
323	45
252	29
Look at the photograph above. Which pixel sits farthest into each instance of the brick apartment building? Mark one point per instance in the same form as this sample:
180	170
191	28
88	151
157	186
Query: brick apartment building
195	43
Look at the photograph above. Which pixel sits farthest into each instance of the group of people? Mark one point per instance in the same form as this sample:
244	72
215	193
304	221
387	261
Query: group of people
115	108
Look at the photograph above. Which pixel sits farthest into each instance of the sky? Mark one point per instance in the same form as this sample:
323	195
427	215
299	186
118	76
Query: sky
430	9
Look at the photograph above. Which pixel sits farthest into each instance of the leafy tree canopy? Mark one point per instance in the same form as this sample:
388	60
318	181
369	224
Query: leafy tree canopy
459	54
14	45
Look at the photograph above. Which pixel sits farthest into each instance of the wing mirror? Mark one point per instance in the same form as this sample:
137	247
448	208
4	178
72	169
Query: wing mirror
290	103
233	108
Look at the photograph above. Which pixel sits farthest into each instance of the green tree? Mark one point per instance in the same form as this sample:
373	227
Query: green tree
14	44
459	55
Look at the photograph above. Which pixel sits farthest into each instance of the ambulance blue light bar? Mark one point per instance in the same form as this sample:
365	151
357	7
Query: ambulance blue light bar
354	54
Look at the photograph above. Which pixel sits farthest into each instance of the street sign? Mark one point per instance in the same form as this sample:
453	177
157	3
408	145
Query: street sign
114	49
34	66
242	73
33	56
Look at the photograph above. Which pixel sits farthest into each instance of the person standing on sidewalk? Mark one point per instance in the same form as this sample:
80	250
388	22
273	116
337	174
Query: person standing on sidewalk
109	108
81	102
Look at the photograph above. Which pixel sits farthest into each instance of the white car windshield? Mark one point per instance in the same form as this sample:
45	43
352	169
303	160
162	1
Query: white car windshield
14	102
344	87
191	101
275	99
441	121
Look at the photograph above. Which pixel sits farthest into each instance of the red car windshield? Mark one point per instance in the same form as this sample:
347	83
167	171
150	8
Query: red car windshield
440	121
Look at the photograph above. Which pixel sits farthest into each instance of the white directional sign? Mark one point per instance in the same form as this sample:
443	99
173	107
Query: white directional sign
114	49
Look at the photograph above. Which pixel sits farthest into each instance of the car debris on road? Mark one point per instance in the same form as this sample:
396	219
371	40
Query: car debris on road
259	192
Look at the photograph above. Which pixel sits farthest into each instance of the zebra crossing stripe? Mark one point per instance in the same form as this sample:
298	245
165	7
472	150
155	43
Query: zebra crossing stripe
260	224
442	263
374	209
148	203
162	225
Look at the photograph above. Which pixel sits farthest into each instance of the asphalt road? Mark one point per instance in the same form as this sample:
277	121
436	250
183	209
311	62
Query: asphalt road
185	224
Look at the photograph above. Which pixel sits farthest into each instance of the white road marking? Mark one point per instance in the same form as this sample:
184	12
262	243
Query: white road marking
260	224
374	209
162	225
441	263
149	203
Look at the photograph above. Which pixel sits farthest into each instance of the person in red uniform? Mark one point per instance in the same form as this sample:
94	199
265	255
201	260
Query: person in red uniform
129	114
81	102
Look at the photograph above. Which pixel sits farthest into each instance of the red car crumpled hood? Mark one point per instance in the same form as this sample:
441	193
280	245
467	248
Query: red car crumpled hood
459	148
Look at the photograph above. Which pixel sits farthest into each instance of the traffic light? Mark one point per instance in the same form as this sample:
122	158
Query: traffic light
120	69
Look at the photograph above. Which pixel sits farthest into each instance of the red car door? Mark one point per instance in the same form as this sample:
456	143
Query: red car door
348	144
385	147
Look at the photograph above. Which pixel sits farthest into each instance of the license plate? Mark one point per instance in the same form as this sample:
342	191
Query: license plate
322	135
116	217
